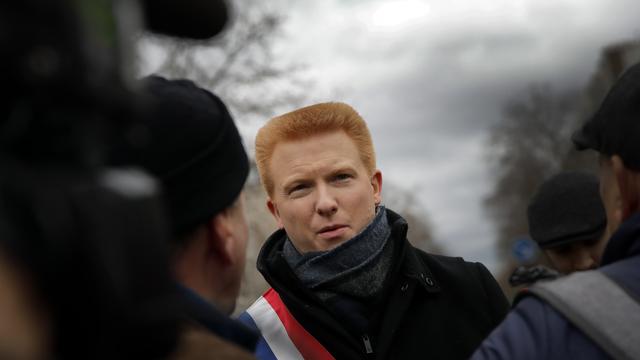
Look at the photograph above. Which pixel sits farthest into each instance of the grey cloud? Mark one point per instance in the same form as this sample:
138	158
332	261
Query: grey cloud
496	41
431	93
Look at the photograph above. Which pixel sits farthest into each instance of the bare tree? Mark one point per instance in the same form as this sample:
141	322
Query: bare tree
405	203
529	143
532	140
241	66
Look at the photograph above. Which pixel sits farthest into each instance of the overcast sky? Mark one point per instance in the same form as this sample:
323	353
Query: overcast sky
429	76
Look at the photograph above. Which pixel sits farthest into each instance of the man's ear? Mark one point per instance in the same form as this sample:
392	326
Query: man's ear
221	240
628	186
376	184
273	209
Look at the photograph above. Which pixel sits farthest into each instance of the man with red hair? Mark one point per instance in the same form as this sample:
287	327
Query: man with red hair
346	283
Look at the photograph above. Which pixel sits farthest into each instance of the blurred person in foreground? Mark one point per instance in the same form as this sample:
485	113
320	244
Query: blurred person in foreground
83	252
346	283
591	314
83	266
193	147
567	220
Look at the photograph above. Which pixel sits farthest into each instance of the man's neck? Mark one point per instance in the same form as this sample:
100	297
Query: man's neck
196	270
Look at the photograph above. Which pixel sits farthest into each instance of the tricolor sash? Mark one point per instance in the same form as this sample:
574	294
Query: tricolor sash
283	337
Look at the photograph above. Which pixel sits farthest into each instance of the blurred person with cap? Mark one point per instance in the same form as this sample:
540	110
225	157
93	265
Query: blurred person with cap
591	314
346	283
189	141
567	220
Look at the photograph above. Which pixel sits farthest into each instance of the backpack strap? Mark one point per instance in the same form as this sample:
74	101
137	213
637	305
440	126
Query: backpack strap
598	307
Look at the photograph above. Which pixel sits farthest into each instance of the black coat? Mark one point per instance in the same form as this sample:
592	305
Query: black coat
434	307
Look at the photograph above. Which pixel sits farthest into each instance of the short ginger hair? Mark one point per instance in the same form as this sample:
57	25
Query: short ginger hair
306	122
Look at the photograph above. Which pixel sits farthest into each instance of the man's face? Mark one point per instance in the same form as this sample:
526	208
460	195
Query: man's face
323	195
577	256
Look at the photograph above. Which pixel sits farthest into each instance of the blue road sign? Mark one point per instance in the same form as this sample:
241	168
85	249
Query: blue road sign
524	250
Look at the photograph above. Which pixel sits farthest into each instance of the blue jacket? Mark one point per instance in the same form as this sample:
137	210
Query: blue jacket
534	330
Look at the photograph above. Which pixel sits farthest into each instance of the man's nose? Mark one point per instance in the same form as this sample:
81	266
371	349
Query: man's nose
326	204
582	259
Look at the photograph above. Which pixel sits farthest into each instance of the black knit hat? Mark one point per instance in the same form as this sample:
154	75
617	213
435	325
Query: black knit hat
615	127
187	138
566	208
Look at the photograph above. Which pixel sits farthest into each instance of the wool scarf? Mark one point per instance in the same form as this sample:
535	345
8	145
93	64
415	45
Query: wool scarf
355	268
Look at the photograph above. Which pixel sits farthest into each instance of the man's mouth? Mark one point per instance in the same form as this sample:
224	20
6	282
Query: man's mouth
332	231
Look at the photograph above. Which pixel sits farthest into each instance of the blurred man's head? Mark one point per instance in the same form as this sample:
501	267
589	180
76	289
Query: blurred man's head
568	221
190	142
318	167
614	132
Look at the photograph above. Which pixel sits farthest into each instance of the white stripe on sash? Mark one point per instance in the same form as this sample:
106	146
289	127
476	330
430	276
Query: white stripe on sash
273	330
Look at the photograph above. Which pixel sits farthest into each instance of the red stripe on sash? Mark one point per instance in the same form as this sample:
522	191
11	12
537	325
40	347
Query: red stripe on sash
309	347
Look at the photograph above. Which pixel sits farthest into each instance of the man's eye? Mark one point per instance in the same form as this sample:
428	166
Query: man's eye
342	177
297	188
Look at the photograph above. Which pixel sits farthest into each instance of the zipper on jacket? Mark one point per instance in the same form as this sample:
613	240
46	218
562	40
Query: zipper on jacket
367	344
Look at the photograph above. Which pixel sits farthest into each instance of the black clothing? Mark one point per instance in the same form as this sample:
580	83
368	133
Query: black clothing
434	307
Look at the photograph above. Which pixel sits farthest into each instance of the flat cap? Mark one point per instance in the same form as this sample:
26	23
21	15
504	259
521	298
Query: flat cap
566	208
615	127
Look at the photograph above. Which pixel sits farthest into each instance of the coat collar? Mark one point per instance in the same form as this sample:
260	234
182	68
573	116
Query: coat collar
412	266
625	242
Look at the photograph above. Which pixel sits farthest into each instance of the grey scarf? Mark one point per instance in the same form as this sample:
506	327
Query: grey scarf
356	268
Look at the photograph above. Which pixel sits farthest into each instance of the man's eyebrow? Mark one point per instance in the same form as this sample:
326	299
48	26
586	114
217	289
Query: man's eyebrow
301	178
343	168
